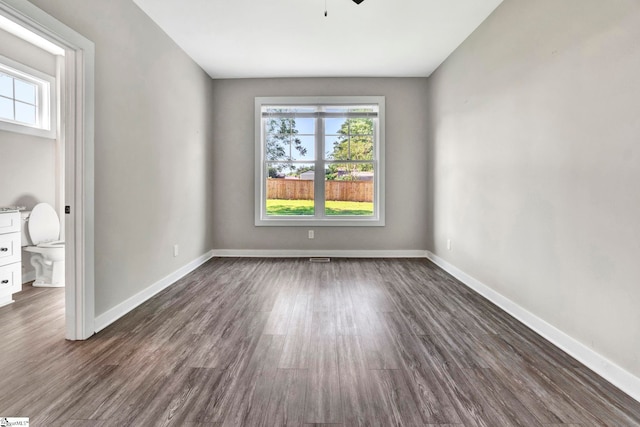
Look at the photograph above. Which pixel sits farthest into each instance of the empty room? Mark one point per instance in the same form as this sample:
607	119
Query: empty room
319	213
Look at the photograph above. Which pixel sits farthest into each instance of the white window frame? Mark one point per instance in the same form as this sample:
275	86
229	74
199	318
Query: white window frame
319	219
45	126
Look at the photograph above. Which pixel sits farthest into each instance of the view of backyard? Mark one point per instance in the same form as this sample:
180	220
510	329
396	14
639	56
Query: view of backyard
287	197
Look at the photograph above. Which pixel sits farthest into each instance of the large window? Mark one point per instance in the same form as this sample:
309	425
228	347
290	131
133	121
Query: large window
320	161
26	100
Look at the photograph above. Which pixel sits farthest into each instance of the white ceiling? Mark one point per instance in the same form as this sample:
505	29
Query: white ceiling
293	38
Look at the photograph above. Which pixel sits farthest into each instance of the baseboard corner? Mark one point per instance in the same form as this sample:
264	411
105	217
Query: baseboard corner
113	314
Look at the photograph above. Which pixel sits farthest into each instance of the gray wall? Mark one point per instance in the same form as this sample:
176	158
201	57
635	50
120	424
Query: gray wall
233	196
27	170
152	147
535	165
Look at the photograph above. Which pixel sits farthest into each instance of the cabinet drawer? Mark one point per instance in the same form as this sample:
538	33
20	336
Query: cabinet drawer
10	248
10	279
9	222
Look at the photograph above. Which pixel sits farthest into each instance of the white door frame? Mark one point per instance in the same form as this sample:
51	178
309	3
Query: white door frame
78	131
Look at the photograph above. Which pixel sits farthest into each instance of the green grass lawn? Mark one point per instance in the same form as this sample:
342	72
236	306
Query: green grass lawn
305	207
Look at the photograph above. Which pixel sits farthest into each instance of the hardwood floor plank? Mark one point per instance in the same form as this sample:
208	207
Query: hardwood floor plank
380	351
296	353
398	409
172	400
432	400
346	323
323	402
222	393
548	403
324	323
504	407
201	404
287	401
251	399
467	401
354	382
280	314
301	316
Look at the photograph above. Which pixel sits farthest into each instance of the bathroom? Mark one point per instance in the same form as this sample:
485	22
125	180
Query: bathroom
31	148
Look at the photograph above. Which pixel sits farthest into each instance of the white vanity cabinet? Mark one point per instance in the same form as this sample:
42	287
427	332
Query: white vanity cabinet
10	256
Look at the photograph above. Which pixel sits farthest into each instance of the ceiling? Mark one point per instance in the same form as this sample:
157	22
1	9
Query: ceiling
293	38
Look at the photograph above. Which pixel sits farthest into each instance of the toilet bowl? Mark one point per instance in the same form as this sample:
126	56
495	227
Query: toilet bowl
40	231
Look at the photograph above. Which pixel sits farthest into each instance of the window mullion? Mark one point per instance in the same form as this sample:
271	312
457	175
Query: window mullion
318	187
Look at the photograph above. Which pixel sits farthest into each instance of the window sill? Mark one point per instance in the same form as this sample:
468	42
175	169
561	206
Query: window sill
27	130
327	222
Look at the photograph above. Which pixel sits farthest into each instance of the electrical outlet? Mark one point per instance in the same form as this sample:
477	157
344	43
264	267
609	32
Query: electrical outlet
449	244
311	234
175	250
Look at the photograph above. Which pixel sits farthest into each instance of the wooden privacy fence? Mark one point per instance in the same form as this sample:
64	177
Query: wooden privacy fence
297	189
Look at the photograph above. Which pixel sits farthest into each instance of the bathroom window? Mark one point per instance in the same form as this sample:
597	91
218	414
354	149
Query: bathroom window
319	161
26	100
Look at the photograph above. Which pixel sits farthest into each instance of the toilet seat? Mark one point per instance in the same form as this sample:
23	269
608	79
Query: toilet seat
57	244
44	225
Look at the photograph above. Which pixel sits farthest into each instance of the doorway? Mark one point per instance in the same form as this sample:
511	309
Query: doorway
77	129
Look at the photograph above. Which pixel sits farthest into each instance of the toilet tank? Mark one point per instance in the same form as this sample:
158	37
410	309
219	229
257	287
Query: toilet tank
24	221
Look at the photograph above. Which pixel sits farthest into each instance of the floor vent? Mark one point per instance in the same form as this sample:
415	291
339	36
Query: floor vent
319	259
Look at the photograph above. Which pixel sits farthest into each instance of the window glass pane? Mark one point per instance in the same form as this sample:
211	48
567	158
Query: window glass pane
289	189
290	139
303	147
361	148
278	125
349	139
6	86
336	126
349	189
278	147
361	126
25	92
25	113
6	108
305	126
336	147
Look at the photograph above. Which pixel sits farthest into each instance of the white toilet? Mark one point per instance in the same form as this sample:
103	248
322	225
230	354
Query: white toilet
40	234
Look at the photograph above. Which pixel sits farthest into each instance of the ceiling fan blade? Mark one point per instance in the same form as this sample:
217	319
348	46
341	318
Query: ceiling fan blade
358	1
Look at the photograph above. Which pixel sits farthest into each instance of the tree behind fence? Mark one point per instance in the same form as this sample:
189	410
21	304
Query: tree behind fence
296	189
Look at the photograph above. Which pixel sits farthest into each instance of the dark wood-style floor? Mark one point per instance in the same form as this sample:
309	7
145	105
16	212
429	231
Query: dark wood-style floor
275	342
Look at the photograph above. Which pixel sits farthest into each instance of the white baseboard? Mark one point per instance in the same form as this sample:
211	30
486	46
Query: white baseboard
110	316
293	253
624	380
